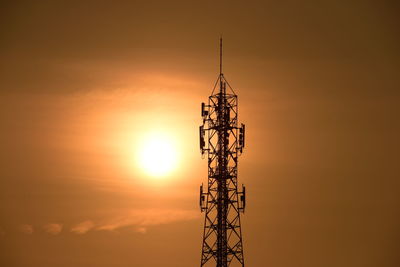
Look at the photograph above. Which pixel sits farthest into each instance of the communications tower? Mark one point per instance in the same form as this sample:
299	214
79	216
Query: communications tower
222	140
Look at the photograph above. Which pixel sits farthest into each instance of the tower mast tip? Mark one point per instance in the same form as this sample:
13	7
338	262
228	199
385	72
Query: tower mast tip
220	55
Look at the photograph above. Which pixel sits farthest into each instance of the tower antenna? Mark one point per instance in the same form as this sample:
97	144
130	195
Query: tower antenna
222	140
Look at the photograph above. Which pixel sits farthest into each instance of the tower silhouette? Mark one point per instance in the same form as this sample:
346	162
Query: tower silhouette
222	140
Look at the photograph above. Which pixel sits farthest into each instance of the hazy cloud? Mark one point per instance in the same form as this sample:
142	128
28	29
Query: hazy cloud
143	218
139	220
53	228
82	227
26	229
141	230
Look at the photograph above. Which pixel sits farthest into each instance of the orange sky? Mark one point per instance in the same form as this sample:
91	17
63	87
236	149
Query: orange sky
318	88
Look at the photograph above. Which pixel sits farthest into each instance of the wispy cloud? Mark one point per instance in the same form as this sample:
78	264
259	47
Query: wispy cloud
26	229
141	219
141	230
53	228
82	227
138	220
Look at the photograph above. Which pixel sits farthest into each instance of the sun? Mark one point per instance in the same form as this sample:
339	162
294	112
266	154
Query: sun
157	155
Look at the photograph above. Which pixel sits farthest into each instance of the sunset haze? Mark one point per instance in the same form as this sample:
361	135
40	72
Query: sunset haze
89	88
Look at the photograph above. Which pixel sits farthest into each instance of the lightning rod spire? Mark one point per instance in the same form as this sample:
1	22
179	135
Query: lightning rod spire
220	55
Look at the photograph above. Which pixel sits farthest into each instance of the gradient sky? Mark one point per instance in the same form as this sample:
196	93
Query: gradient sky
319	91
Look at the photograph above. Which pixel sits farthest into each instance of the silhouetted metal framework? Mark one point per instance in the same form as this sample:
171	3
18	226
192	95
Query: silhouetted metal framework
222	140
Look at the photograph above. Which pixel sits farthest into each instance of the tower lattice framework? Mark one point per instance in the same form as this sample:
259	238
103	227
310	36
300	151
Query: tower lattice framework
222	141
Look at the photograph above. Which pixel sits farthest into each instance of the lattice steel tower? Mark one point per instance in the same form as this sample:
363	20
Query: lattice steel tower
223	141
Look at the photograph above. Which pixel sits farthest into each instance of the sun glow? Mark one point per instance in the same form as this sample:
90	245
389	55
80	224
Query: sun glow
157	155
